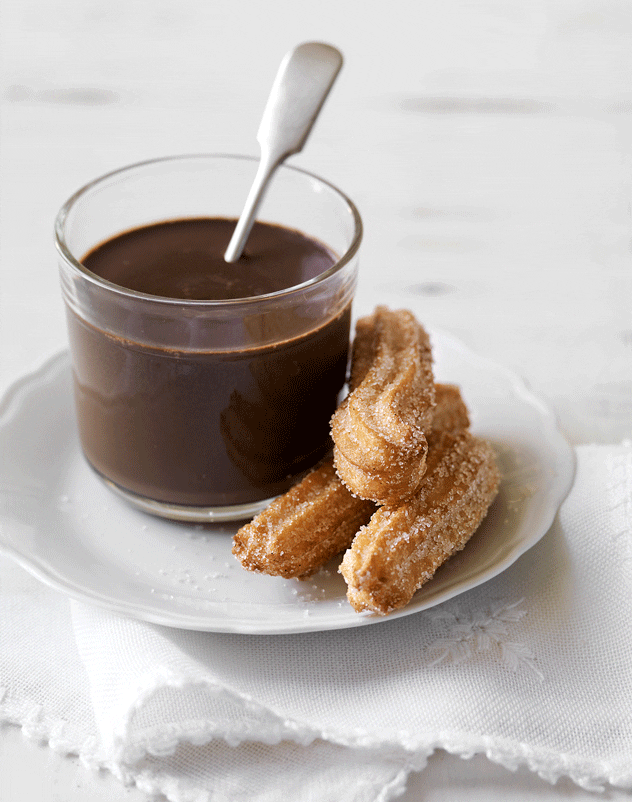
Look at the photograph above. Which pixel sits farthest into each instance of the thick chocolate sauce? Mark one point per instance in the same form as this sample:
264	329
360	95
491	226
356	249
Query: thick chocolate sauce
214	427
185	259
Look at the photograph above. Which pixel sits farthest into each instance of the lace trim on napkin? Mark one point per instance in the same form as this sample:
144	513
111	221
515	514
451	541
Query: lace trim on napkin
38	726
42	729
412	748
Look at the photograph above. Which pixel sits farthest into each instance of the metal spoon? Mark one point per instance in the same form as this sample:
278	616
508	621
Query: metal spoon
302	83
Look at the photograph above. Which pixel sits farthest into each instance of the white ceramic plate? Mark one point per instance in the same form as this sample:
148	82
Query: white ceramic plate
61	523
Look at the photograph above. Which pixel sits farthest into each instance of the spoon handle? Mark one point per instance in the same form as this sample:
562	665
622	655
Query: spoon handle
300	88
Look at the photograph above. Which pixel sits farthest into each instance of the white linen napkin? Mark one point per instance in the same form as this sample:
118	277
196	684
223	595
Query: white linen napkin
532	668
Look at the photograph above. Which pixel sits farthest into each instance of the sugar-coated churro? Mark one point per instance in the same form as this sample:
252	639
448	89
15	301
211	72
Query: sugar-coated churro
379	430
319	517
407	486
304	528
402	547
450	413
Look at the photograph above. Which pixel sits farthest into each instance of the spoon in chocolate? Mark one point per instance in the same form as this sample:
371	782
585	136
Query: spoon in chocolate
300	88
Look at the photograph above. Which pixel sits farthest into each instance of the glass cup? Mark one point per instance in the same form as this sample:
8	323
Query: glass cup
205	410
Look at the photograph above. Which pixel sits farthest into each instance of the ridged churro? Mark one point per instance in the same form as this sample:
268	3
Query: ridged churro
402	547
304	528
318	518
401	442
379	430
450	413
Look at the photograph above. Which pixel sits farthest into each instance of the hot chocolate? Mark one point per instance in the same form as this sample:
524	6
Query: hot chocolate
207	427
185	259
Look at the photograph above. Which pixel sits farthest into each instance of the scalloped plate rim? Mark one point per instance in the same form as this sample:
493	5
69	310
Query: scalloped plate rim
49	574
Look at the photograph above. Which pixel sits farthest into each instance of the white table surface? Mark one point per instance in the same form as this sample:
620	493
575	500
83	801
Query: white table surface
487	145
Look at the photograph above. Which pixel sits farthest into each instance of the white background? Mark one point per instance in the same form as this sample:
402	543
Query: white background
487	145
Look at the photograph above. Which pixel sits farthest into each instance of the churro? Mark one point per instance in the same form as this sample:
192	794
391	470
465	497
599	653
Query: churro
450	413
402	547
304	528
400	441
379	430
319	517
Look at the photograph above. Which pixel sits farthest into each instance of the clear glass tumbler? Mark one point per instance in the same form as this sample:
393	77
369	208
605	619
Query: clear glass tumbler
205	410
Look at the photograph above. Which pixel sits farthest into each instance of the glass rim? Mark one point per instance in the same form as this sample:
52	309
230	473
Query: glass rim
76	265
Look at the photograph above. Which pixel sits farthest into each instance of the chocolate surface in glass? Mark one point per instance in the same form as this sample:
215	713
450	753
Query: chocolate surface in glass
185	259
207	427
